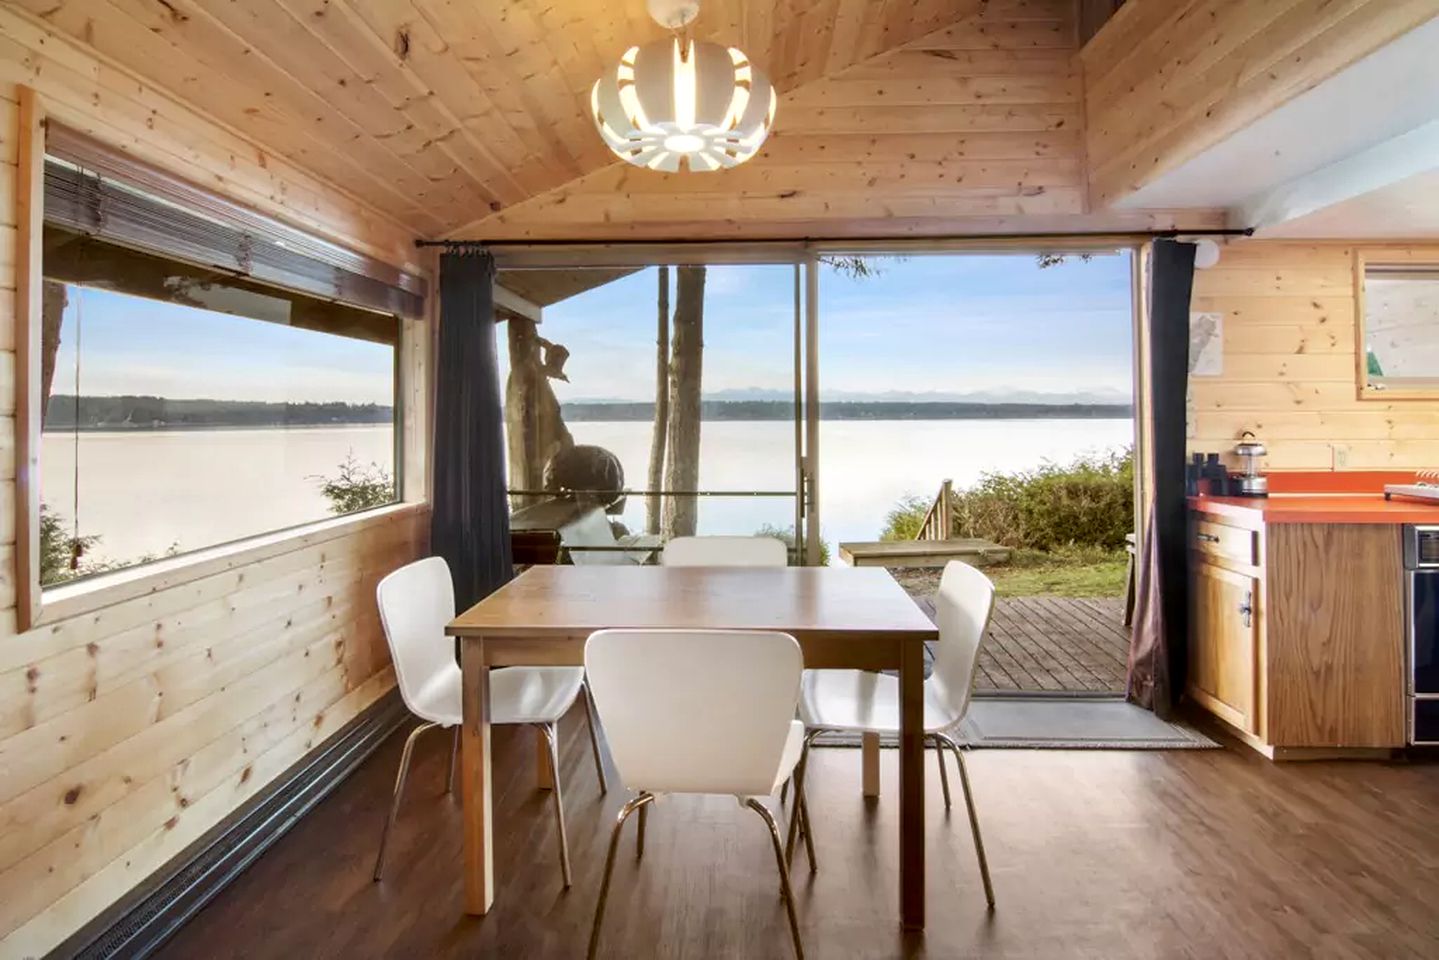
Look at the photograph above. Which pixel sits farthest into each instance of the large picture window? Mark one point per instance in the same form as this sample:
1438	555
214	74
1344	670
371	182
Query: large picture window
184	407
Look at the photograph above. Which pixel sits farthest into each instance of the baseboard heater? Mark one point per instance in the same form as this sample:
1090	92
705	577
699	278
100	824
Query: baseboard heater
142	920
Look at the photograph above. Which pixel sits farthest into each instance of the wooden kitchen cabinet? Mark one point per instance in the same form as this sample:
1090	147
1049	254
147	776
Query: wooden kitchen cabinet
1297	633
1222	667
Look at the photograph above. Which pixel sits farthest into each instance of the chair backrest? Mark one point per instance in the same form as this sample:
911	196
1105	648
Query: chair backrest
725	552
695	711
592	529
962	607
416	602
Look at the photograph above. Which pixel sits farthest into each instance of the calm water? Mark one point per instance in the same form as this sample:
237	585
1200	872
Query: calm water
141	492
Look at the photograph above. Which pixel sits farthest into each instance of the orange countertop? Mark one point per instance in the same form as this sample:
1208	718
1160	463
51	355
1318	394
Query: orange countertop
1320	508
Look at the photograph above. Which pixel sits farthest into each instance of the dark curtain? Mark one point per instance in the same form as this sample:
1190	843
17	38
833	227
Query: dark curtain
1158	646
470	519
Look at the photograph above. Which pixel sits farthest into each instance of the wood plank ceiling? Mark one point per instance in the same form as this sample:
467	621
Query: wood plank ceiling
439	113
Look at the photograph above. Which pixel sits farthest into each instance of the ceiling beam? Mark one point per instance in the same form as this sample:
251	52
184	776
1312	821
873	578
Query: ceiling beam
1386	163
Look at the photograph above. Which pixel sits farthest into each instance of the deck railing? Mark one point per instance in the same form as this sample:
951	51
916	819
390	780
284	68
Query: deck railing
938	523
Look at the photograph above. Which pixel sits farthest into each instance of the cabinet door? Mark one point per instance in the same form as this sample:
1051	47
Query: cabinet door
1222	644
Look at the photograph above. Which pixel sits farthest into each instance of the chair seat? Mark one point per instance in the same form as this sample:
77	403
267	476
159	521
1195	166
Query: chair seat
517	695
858	700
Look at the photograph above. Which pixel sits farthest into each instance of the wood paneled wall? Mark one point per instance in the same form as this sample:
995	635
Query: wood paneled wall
127	732
1289	364
1165	79
976	127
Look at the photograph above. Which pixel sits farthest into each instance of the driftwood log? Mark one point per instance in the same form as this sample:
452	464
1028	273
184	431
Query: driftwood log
534	428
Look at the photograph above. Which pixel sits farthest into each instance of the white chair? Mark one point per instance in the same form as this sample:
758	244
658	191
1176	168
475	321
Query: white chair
857	701
725	552
697	711
416	602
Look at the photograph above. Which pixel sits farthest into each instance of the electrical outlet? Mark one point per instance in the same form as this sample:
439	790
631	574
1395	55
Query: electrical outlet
1340	455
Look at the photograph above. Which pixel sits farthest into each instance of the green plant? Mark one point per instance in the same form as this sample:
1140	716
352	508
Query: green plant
59	549
787	535
903	522
357	487
1088	502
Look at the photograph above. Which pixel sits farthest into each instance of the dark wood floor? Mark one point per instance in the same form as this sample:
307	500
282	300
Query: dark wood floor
1192	853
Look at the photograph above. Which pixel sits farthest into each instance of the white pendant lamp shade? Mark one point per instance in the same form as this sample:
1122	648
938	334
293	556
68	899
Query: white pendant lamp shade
684	100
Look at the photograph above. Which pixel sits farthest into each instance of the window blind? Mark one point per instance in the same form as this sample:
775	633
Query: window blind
94	189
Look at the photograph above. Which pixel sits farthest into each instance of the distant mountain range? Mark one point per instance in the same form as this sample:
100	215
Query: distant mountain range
999	396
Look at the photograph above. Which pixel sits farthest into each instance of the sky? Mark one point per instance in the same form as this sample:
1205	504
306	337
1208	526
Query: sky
134	345
933	326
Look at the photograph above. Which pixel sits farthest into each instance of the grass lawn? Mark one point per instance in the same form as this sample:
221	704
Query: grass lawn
1067	572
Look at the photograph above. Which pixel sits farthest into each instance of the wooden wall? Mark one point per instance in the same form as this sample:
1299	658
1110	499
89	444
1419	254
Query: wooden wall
1165	79
127	732
1289	370
976	127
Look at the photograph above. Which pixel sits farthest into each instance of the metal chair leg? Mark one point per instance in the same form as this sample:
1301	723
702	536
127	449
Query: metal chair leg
400	778
454	761
973	819
594	739
638	803
943	770
553	740
779	859
640	834
799	814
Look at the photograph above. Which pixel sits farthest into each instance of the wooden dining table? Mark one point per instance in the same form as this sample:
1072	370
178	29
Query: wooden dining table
857	618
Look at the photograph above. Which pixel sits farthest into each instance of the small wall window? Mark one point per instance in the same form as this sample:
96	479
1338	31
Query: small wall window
184	407
1399	331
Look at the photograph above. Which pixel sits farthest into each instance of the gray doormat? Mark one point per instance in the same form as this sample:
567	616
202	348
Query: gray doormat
1061	723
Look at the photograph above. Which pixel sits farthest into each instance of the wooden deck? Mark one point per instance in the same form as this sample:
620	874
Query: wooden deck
1052	645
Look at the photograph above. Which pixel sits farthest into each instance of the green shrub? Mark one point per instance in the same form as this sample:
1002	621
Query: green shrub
357	487
59	548
787	535
904	521
1089	502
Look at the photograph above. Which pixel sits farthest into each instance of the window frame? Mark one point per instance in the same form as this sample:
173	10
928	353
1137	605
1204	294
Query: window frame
37	606
1399	258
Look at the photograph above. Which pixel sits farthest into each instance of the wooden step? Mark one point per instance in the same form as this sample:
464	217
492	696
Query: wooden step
920	553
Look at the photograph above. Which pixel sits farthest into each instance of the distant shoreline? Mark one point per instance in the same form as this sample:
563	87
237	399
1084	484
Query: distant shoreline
769	410
70	429
136	414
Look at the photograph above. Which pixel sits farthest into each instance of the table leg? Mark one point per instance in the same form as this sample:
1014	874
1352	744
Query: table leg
543	779
869	763
475	768
911	785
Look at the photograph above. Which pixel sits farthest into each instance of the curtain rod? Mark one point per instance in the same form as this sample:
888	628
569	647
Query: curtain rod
937	238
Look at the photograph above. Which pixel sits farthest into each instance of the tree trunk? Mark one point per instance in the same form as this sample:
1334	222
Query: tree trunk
654	505
52	313
534	429
681	513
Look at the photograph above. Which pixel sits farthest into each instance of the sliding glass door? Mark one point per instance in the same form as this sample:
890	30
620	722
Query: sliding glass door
651	400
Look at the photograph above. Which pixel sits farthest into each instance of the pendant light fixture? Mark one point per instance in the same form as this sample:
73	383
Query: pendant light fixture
683	99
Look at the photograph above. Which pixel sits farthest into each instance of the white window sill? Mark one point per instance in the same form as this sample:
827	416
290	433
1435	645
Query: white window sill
86	596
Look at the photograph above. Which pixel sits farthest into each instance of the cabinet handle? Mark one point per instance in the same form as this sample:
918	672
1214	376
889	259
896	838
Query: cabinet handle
1247	608
1206	537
